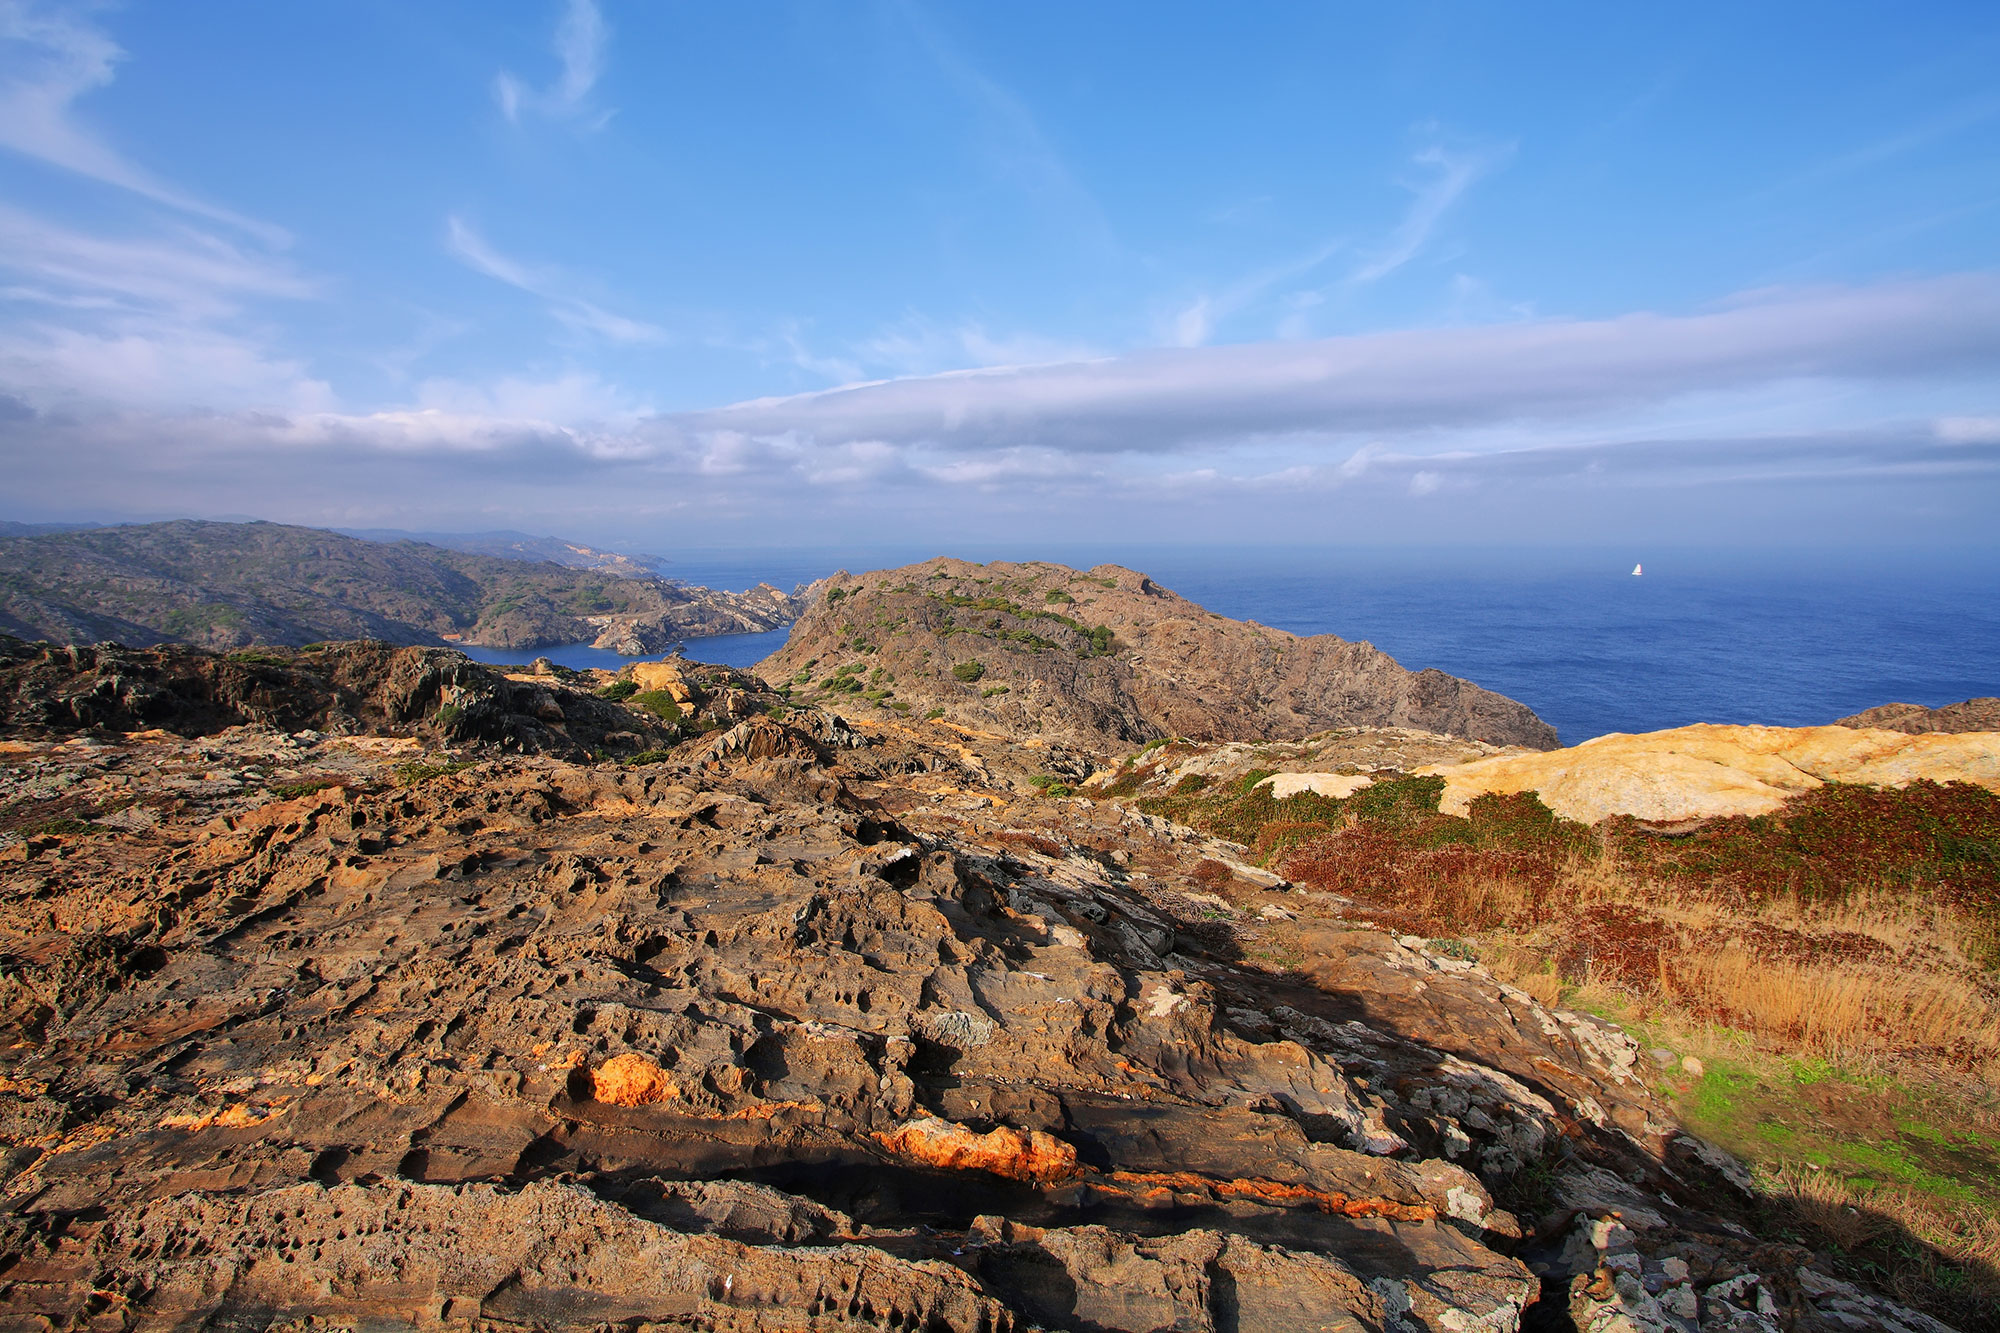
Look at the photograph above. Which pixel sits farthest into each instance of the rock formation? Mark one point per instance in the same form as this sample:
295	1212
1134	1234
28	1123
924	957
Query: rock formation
796	1026
1706	770
1104	660
1981	714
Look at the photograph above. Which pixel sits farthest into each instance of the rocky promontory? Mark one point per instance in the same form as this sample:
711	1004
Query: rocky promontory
1103	659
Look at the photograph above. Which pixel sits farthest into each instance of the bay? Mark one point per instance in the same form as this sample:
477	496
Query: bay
1786	638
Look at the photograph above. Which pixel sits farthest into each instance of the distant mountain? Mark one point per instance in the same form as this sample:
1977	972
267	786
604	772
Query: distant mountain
9	528
223	585
525	546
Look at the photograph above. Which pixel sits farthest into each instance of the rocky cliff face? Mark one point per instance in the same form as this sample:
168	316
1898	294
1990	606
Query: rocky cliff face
797	1026
1106	659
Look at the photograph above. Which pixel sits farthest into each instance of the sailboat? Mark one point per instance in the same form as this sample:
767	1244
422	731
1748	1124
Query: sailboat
1637	570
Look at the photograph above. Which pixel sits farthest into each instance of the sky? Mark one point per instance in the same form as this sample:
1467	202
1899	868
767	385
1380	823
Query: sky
650	274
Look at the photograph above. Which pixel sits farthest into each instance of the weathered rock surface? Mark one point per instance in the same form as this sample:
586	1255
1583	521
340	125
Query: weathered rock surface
1981	714
1707	770
340	688
802	1026
1106	659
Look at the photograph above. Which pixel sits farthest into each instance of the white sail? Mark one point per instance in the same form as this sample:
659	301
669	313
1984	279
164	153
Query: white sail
1637	570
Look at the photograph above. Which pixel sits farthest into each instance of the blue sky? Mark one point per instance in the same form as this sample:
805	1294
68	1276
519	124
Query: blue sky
659	273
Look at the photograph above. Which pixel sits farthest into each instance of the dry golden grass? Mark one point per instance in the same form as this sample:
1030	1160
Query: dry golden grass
1915	989
1962	1265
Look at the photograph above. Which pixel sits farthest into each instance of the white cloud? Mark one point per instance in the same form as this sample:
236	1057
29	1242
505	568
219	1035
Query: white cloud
1195	323
49	57
157	320
471	249
1969	430
189	271
580	40
1433	379
1452	173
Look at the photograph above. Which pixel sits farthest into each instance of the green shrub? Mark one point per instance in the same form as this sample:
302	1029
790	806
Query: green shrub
1059	596
618	689
992	690
969	671
659	703
934	715
648	757
61	828
415	771
835	594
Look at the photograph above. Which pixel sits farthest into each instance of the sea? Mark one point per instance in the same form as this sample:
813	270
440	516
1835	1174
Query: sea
1783	637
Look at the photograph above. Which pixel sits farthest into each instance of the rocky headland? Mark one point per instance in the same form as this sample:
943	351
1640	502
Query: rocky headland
1104	659
1981	714
367	986
236	585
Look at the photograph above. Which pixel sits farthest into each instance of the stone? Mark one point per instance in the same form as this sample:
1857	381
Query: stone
1706	771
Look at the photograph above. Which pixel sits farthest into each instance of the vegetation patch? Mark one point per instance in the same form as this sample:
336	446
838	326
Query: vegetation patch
416	771
618	689
657	702
969	671
1830	965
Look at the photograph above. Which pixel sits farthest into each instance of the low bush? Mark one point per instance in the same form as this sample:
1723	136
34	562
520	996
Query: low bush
659	703
969	671
618	689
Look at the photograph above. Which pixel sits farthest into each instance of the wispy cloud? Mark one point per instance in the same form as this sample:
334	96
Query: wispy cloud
1451	172
472	250
53	56
1193	323
1011	137
580	41
155	319
1964	116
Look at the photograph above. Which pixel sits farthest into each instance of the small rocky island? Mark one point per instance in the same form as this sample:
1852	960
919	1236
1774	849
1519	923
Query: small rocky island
1021	947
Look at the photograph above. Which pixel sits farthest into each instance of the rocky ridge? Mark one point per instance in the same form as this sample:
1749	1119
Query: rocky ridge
1105	659
1981	714
799	1024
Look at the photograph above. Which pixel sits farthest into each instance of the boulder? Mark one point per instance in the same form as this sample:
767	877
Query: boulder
1706	771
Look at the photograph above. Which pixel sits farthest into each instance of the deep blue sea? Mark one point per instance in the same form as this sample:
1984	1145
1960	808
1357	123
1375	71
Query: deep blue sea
1789	638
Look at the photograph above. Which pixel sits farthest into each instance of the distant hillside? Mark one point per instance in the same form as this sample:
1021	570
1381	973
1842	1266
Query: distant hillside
223	585
1105	659
525	546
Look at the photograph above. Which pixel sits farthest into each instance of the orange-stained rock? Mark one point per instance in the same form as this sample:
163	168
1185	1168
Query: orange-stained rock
1275	1191
661	676
1006	1151
1706	770
632	1080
